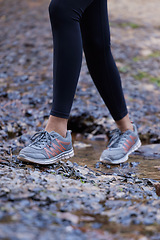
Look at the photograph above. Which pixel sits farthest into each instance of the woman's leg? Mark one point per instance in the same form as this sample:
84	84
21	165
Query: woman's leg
103	70
96	44
65	16
48	146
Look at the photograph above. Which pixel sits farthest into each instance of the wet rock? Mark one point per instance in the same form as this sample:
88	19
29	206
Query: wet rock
26	87
157	187
108	166
81	145
148	182
134	164
4	192
98	174
138	181
3	161
3	94
13	95
97	165
67	174
24	139
68	216
24	78
20	196
79	175
148	221
28	113
96	225
99	137
150	151
69	164
51	198
75	164
120	195
124	165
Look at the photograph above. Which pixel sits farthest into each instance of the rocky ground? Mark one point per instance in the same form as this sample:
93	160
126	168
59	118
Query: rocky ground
68	201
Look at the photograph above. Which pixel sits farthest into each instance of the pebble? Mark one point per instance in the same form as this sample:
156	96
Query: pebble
30	196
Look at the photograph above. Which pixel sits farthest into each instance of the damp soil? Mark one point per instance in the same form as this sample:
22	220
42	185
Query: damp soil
81	198
88	152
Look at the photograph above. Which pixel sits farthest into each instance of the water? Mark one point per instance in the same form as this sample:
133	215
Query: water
136	164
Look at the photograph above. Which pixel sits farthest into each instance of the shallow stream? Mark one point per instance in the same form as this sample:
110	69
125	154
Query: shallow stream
88	152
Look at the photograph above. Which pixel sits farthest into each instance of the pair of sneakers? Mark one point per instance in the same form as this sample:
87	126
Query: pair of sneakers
48	148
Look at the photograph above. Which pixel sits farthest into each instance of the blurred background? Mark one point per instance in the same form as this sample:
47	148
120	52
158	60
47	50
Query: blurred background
26	63
43	196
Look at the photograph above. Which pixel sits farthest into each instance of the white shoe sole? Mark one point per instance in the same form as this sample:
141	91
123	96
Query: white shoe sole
125	158
61	156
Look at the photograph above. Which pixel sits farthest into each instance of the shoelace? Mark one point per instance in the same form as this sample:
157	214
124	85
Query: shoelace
121	139
114	136
42	136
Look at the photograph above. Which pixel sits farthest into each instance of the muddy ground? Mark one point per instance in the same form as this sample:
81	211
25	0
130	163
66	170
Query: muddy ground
66	200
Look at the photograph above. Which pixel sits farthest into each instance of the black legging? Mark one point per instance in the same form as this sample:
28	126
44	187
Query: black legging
83	25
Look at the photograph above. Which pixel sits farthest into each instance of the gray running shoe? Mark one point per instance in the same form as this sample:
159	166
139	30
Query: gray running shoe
47	148
120	146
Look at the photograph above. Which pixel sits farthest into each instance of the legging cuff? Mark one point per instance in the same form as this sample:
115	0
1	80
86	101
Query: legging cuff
59	114
120	115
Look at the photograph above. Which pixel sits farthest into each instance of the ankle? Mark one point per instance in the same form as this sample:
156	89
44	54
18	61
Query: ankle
124	129
57	124
125	124
62	132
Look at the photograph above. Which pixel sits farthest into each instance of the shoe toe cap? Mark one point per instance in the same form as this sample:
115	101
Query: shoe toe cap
28	152
110	156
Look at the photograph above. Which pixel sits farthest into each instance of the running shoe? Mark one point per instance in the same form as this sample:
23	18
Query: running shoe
120	146
47	148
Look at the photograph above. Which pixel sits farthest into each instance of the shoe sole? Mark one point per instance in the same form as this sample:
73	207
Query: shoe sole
125	158
61	156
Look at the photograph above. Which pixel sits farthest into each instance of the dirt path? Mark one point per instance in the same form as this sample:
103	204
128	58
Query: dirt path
66	201
141	12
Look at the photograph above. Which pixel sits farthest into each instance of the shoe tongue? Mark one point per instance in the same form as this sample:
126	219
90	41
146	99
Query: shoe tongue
54	134
116	144
128	131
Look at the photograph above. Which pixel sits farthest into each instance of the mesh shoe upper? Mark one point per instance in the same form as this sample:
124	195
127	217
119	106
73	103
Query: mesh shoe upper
45	145
119	144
